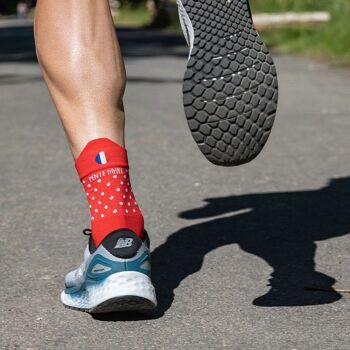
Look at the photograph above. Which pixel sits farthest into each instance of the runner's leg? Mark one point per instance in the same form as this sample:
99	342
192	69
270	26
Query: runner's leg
82	65
84	71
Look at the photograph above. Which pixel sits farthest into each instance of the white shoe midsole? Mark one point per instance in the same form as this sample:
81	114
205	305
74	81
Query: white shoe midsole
127	283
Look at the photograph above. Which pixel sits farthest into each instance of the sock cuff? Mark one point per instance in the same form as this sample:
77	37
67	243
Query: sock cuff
102	228
100	154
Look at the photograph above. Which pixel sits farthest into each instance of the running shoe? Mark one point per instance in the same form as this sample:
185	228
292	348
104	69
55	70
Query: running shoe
115	276
230	88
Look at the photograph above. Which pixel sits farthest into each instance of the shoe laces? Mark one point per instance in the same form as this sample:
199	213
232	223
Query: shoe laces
87	232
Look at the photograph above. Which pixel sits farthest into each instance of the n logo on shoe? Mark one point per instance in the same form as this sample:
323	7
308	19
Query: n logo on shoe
124	243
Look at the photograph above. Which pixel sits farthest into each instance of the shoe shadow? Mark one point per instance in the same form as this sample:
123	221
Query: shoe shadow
126	316
281	228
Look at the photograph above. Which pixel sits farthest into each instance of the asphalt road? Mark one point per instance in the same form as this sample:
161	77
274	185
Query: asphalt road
233	248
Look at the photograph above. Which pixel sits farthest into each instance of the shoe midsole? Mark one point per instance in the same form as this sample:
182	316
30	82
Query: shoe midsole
127	283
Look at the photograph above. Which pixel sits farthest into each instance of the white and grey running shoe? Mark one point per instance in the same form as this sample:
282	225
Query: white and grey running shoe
115	276
230	88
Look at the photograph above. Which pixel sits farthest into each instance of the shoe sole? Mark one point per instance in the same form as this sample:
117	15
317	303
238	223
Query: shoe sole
230	87
119	304
122	291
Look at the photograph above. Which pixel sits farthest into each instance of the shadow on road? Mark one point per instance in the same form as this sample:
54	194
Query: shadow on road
281	228
17	43
12	79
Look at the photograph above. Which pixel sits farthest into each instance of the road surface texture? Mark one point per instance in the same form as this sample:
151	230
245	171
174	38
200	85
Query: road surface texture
233	248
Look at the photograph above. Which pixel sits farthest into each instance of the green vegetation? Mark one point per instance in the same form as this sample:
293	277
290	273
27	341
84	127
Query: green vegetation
291	5
330	39
132	15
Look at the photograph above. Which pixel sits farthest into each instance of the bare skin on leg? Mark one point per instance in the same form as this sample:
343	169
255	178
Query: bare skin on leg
80	57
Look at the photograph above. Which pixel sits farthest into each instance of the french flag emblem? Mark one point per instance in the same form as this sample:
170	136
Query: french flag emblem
101	158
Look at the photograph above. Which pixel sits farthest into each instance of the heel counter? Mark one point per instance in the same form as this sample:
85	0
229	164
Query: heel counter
120	251
122	244
141	264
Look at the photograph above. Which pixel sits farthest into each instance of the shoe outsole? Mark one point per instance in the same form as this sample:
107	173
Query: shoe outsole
230	88
119	304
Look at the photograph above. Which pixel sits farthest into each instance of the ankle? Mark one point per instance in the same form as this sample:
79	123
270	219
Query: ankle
103	169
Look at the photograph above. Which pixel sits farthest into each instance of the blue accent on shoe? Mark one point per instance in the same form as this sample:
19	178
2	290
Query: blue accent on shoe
135	265
72	290
114	267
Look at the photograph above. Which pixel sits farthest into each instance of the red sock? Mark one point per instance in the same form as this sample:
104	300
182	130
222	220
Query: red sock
103	169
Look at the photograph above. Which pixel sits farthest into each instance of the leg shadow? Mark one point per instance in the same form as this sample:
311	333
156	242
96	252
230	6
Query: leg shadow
281	228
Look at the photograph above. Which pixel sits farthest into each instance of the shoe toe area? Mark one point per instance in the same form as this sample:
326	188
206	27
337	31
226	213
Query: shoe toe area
74	278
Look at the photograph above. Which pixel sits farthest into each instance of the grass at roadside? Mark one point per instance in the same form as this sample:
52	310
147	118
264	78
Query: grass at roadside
330	39
132	16
291	5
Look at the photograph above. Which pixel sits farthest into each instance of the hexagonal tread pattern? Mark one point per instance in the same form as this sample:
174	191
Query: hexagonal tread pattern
230	88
